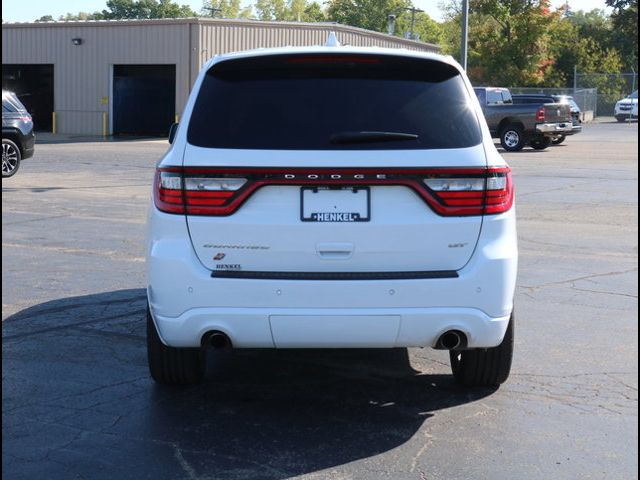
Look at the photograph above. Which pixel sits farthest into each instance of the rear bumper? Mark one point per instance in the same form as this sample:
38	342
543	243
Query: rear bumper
331	328
575	129
186	301
28	145
564	128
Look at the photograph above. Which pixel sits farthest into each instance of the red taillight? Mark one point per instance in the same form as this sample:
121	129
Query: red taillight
167	190
221	191
488	193
540	114
500	191
197	194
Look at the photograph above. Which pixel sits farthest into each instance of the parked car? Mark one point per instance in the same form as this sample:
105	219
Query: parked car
18	139
332	197
535	123
564	99
627	108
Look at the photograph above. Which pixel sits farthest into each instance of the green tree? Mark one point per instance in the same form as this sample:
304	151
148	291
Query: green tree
369	14
583	41
510	40
271	9
289	10
45	18
296	9
69	17
141	9
313	13
625	23
225	9
594	24
426	29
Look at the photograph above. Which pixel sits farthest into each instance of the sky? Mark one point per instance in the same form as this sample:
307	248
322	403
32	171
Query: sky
29	10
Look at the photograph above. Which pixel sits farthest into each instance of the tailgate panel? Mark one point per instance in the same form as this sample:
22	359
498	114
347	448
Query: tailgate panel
267	233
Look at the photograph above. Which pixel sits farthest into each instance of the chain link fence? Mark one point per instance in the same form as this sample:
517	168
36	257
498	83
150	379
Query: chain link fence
586	98
595	92
610	88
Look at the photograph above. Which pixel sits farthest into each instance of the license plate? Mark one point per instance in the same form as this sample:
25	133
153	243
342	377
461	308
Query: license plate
324	204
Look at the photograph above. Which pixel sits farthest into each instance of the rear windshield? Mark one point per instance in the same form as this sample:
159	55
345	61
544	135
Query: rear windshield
499	97
306	102
10	103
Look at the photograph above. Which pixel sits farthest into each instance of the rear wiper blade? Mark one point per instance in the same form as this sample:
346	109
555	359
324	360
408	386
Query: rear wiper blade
370	137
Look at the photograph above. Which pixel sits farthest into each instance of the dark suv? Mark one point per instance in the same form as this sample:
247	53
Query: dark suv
18	138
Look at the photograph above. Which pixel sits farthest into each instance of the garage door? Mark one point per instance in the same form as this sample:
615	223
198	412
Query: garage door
33	84
144	98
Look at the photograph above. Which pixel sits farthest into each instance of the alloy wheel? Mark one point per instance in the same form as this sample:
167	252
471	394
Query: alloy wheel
10	159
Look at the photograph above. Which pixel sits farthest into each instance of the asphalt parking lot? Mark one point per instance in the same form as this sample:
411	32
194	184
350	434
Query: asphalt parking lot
78	402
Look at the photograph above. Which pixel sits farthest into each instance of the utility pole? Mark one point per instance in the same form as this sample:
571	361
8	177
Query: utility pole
465	33
213	10
413	21
413	11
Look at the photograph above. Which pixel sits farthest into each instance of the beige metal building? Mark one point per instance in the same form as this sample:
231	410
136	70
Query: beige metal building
134	76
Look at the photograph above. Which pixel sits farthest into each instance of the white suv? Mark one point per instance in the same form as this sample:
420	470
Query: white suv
332	197
627	108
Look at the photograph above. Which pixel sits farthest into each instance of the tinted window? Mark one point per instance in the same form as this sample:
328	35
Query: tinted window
634	94
482	96
506	97
494	97
302	102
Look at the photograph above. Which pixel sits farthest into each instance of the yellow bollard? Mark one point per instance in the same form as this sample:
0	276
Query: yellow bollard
53	122
104	124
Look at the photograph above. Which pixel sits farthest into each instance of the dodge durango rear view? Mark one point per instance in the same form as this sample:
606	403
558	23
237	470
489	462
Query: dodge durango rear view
332	197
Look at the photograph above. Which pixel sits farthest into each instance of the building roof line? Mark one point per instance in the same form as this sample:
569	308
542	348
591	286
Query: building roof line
216	21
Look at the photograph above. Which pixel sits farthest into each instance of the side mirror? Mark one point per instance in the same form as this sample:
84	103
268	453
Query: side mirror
172	132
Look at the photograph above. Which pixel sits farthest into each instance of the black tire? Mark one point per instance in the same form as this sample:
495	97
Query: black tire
512	138
484	367
621	118
11	157
170	365
558	140
540	142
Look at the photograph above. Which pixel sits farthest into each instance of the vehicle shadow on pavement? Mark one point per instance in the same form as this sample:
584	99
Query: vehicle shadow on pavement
78	402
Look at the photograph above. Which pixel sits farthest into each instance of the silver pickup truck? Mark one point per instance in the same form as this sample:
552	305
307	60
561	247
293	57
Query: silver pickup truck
535	124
